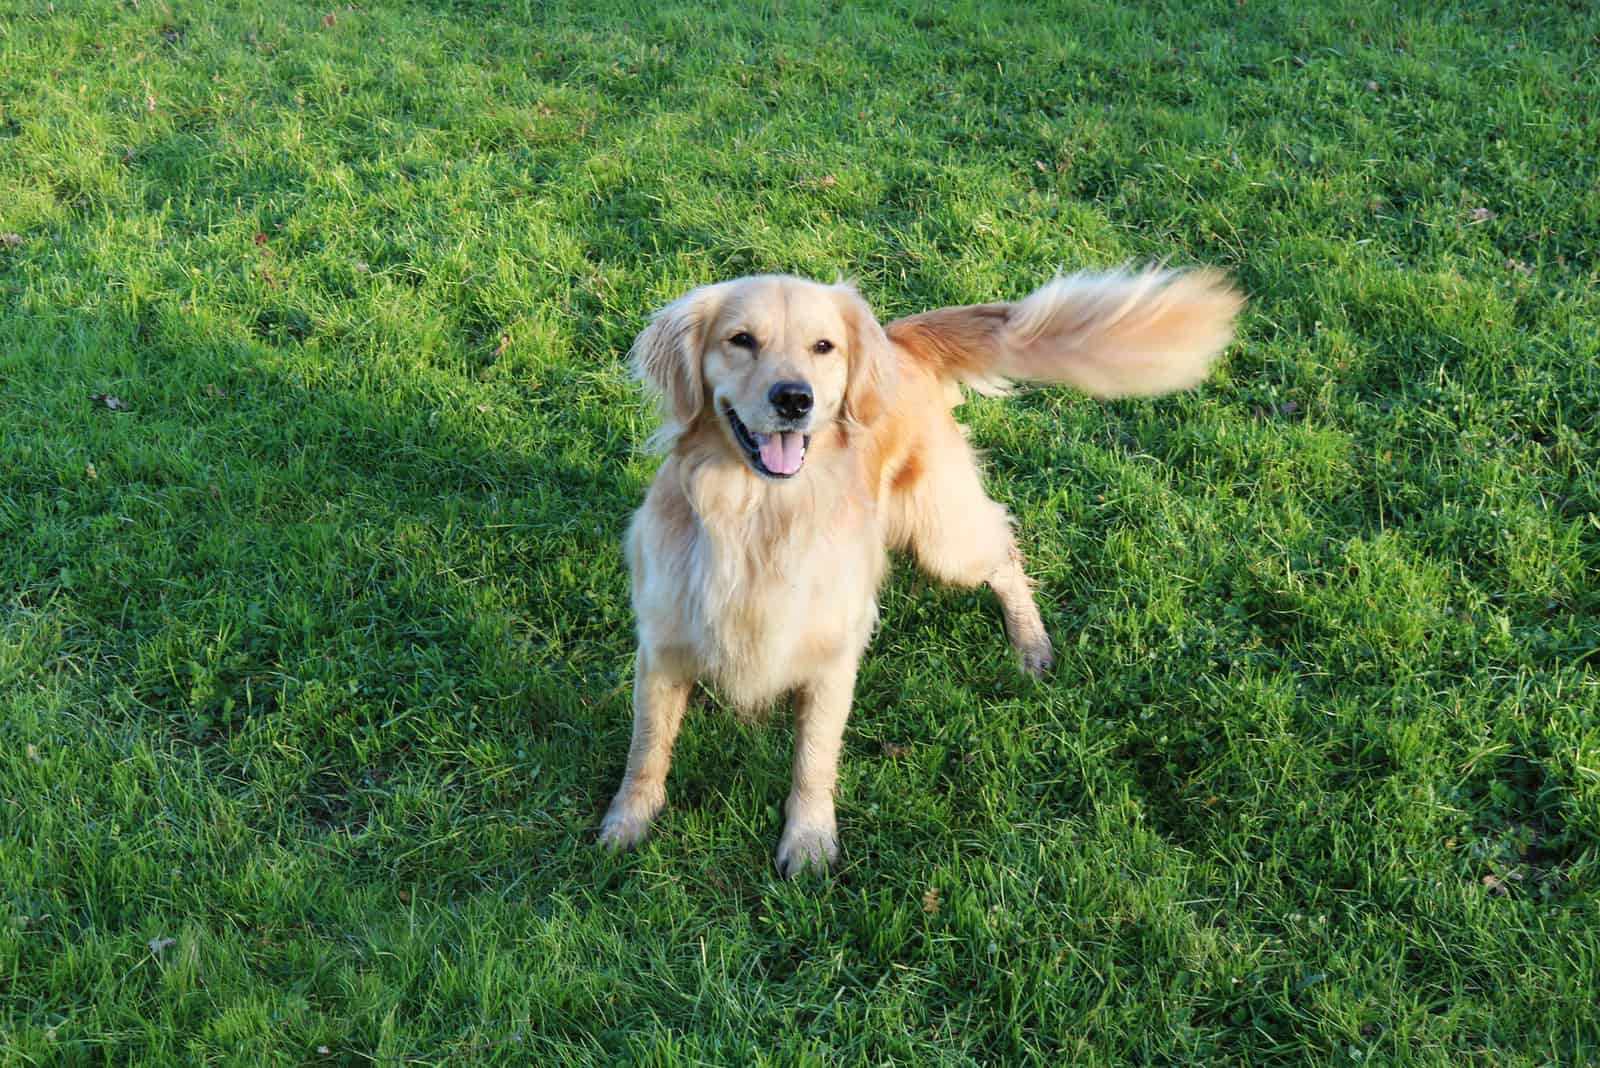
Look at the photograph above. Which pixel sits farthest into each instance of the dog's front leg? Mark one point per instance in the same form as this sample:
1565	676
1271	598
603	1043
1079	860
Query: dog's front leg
810	835
659	699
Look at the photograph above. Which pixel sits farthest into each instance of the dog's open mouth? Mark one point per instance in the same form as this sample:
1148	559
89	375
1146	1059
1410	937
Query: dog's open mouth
776	455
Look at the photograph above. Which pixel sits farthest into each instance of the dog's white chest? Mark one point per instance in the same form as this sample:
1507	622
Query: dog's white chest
758	618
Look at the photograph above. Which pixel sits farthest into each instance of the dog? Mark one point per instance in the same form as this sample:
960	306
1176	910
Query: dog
803	441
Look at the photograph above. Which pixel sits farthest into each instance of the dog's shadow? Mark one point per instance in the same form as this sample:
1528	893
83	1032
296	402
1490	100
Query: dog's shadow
422	589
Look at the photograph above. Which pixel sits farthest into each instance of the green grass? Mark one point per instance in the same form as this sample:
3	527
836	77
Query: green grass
314	662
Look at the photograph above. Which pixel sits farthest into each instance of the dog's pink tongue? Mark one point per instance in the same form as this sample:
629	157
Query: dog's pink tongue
782	453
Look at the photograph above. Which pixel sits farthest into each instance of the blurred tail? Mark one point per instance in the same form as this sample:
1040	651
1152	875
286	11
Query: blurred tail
1108	334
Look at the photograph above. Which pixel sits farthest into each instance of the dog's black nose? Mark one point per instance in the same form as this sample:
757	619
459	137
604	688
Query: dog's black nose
791	399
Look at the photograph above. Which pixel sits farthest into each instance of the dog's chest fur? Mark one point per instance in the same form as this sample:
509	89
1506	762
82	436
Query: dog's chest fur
754	592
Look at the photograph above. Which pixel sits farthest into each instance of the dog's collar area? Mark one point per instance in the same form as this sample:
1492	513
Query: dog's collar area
751	444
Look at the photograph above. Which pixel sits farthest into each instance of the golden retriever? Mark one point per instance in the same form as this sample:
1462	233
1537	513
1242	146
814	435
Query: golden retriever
803	441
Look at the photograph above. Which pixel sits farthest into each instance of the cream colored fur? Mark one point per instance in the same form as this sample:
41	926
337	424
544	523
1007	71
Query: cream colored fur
767	587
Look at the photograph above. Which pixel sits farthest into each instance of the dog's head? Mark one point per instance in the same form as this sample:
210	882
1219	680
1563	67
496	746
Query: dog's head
772	359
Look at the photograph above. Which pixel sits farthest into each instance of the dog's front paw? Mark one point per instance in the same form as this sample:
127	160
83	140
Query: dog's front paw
1038	657
807	846
627	821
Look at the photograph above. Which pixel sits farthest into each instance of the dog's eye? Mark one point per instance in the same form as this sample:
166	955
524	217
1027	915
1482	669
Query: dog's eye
822	347
744	340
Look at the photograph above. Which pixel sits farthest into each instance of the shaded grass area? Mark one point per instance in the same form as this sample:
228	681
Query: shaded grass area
314	660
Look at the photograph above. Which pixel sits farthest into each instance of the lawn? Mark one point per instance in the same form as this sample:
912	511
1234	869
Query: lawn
317	444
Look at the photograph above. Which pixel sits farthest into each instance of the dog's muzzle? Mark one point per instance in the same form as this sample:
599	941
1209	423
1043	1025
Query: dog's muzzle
777	454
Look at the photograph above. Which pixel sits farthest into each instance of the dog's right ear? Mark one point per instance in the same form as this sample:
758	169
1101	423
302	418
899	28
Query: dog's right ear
667	354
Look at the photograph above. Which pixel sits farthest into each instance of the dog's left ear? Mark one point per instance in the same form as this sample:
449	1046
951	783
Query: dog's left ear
871	356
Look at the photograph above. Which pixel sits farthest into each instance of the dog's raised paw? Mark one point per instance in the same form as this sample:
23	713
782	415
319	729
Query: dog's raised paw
807	847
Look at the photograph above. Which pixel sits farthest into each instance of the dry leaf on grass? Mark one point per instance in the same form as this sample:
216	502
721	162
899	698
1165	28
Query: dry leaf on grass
1501	887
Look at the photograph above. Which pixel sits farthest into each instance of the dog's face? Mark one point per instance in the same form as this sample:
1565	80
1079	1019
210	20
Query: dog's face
774	365
771	359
